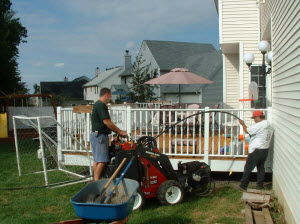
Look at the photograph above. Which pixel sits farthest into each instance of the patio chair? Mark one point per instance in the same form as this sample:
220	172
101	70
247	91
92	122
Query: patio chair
179	105
189	122
167	120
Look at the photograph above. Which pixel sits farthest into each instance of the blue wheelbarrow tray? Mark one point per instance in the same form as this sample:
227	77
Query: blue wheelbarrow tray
86	207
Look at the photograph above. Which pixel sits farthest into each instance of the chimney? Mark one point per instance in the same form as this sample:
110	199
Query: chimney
126	60
65	79
97	71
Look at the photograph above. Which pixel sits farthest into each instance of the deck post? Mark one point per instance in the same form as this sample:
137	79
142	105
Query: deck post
128	121
58	128
206	136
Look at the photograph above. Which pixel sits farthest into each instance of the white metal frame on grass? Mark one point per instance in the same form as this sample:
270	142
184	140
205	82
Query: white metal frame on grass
43	136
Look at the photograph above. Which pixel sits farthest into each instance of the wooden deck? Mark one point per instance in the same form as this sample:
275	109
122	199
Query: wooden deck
215	143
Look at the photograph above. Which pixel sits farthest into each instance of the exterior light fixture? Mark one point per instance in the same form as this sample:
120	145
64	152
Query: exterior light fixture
264	47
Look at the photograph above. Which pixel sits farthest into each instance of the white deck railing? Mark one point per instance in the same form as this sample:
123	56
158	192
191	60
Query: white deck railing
213	134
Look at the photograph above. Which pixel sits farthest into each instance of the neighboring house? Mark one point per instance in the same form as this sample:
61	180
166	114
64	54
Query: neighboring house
242	25
201	59
111	78
71	90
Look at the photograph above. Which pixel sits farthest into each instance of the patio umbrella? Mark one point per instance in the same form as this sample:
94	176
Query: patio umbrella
179	76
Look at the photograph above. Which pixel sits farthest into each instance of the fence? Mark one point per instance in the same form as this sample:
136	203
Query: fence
209	135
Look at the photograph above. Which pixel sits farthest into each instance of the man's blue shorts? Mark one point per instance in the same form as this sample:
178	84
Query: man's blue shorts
99	146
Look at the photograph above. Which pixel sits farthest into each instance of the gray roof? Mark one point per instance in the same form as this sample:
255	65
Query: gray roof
171	54
205	65
102	76
70	89
127	72
82	78
201	59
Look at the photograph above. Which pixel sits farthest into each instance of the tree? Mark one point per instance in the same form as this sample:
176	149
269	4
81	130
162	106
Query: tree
12	34
36	88
139	92
60	100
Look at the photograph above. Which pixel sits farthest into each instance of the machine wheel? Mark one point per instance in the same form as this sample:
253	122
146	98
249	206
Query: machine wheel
147	141
170	192
140	200
206	188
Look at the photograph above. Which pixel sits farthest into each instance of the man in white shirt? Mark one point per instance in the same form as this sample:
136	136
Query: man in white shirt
260	138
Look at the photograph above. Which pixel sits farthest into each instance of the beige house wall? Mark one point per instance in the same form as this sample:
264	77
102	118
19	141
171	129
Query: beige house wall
232	79
285	38
239	23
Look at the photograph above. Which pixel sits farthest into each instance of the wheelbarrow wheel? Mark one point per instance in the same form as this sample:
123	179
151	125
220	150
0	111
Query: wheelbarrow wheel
140	200
170	192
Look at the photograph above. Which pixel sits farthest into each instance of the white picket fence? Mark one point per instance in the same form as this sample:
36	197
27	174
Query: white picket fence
206	139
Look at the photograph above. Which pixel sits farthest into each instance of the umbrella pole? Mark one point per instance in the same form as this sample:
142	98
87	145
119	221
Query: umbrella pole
179	94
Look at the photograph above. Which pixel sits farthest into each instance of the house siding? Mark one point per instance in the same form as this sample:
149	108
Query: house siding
265	22
286	104
240	19
148	57
232	80
240	24
91	93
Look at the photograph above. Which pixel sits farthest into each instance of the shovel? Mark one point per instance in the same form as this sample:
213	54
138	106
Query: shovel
118	181
101	196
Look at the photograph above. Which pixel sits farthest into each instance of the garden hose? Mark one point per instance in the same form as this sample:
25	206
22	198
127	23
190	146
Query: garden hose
201	112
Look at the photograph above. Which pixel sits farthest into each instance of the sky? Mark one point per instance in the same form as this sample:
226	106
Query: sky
70	38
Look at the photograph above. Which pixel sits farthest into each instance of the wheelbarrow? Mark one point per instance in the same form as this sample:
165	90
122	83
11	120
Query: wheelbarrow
120	205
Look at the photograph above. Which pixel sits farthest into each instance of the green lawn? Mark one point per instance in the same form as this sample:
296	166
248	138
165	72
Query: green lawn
42	205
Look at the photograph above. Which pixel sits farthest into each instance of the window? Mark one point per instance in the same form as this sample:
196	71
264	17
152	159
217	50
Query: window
257	76
124	80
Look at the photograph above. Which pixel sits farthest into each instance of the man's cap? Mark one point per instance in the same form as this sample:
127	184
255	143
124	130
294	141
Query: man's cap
257	113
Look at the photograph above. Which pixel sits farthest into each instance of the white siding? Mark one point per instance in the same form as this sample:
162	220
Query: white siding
286	105
148	57
240	24
92	93
232	80
265	21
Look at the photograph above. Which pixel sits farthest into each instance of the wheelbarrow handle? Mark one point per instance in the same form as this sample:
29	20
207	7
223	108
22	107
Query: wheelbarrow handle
112	177
119	179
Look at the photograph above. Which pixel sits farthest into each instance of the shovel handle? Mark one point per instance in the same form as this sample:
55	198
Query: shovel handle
114	174
119	179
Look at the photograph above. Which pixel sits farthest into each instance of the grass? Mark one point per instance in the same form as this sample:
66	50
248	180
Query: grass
42	205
